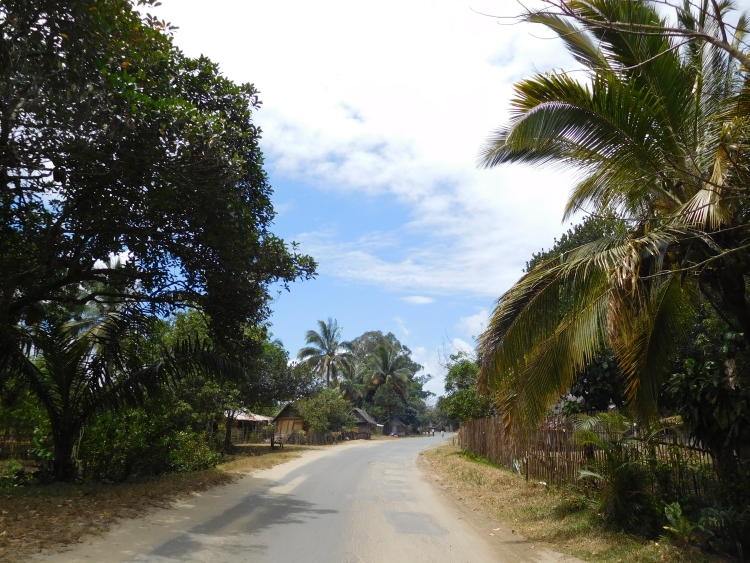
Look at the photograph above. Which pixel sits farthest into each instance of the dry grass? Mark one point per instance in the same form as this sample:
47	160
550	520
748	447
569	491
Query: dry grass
49	516
253	457
539	514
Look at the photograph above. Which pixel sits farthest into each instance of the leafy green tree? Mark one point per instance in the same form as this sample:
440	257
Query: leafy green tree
417	413
326	410
600	384
364	346
326	353
462	401
390	404
654	128
76	374
712	397
114	143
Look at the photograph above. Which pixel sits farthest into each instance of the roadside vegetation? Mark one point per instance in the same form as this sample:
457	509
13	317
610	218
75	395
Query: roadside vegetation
137	264
643	307
559	519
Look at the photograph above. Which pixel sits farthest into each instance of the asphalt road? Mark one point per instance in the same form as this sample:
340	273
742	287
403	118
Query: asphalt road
363	502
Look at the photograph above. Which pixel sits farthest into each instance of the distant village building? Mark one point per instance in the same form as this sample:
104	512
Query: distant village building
365	424
288	420
247	422
396	428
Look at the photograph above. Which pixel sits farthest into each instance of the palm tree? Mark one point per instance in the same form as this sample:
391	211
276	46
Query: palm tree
656	130
385	367
78	369
351	385
326	353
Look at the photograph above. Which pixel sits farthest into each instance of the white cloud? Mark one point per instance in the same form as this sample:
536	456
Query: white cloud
474	325
401	325
462	346
418	300
395	98
430	360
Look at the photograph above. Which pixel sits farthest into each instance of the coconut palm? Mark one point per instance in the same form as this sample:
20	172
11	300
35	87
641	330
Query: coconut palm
386	367
658	131
326	353
351	384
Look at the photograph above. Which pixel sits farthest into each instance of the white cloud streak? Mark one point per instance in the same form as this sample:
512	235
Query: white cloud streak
418	300
401	325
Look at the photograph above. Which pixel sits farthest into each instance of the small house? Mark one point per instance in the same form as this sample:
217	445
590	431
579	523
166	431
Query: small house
396	428
365	424
288	420
247	422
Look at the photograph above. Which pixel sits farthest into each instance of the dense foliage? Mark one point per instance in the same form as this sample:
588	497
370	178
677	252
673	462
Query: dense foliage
373	371
115	144
462	400
711	396
131	187
326	410
655	124
662	158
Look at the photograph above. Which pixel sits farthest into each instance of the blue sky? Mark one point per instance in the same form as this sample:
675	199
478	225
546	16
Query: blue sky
373	114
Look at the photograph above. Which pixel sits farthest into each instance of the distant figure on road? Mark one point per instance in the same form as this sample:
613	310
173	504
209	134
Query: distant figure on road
442	433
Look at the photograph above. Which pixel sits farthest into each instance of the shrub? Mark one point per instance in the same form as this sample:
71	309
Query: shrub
160	438
624	482
13	474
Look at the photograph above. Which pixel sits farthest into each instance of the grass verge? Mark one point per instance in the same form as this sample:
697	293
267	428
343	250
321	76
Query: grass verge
543	516
50	516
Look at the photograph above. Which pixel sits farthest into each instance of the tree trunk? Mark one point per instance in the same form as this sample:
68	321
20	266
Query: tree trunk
228	433
63	467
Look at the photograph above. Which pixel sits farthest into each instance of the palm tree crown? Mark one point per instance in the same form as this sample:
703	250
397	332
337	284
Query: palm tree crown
656	131
386	367
326	353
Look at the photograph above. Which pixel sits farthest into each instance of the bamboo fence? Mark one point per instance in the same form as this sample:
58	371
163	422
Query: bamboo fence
17	449
551	456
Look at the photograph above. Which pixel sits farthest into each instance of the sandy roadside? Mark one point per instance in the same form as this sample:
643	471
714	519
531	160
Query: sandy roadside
508	545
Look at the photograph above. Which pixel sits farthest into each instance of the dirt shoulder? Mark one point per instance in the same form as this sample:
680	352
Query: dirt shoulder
529	514
49	518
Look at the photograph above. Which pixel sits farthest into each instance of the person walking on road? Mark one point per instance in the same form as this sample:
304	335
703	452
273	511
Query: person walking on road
442	433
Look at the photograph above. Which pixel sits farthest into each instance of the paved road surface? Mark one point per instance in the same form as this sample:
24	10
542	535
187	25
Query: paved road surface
362	502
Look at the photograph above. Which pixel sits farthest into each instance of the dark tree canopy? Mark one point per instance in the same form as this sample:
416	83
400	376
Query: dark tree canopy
113	143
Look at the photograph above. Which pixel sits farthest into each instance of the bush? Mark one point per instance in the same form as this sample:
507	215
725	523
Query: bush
13	474
624	480
145	442
327	410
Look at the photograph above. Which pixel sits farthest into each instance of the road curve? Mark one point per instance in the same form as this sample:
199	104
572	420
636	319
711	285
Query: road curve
362	502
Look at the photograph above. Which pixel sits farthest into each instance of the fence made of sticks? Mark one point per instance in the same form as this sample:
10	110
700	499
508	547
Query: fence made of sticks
549	454
17	449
